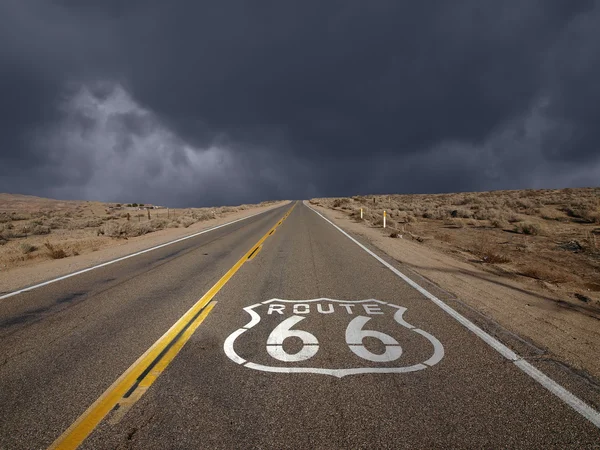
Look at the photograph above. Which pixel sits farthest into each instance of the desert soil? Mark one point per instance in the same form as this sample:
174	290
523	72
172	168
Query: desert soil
543	287
84	247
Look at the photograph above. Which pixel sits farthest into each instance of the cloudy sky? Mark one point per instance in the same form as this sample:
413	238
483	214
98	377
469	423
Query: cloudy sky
203	103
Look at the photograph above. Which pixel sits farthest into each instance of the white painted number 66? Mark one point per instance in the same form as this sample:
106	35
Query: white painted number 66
310	345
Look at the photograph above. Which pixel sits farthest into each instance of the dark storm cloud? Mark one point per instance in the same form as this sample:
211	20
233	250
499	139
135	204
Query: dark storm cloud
226	102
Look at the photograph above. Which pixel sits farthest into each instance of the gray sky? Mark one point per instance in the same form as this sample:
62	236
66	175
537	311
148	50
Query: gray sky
201	103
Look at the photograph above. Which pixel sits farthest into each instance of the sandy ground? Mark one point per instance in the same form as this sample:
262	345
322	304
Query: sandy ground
570	333
15	278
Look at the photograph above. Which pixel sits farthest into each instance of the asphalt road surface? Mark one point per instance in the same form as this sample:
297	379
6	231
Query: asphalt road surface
266	333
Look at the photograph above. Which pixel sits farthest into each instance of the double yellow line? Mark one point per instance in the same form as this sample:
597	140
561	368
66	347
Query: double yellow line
136	380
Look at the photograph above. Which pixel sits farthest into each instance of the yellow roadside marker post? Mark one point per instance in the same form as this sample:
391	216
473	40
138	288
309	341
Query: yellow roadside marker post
384	218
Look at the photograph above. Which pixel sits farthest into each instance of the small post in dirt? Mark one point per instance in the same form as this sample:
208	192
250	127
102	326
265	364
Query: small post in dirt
384	218
148	213
361	213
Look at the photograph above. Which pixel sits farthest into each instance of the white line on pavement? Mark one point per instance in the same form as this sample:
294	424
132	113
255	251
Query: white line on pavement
578	405
79	272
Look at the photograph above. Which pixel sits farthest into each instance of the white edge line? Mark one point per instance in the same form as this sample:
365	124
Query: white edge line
79	272
578	405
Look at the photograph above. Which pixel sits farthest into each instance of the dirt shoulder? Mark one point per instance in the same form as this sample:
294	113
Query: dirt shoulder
563	328
100	249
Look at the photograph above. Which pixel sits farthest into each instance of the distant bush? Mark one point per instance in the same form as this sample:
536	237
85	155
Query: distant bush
186	221
499	223
55	252
585	212
40	230
339	202
158	224
92	223
201	216
20	216
57	222
27	248
528	228
461	213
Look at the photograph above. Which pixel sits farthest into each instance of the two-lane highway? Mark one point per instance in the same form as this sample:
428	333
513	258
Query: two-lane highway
63	344
299	339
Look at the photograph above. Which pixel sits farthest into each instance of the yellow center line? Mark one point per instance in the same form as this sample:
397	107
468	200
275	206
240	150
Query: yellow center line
132	384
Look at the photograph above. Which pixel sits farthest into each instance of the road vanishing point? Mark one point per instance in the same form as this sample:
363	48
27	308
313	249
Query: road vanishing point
276	331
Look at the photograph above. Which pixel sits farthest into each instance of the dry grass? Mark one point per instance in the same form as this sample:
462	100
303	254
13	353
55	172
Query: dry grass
54	251
33	228
27	248
548	235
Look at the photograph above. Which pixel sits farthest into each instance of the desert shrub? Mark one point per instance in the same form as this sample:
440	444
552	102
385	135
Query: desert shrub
186	221
40	229
490	252
528	228
498	223
339	202
4	217
454	222
524	203
491	257
27	248
55	252
355	214
125	230
20	216
57	222
390	223
7	233
93	223
228	209
411	218
461	213
514	218
436	214
158	223
585	211
204	215
486	214
550	214
401	216
22	230
378	221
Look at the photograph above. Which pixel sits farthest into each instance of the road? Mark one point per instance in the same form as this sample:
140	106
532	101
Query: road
266	333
